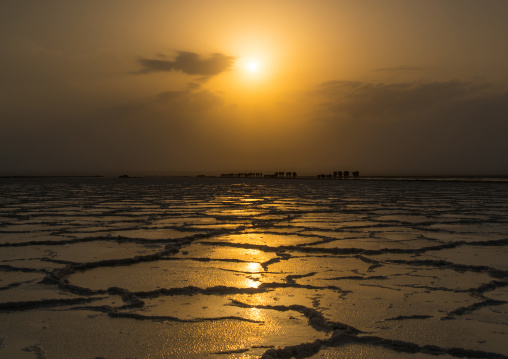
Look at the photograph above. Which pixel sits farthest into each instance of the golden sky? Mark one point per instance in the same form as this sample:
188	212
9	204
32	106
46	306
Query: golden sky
199	86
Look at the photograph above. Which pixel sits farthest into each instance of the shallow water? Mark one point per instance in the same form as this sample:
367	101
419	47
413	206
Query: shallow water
229	268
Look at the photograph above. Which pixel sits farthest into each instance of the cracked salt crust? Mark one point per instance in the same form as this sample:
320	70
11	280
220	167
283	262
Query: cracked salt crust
187	268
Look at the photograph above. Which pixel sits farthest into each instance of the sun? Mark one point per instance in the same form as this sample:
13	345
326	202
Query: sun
252	66
253	71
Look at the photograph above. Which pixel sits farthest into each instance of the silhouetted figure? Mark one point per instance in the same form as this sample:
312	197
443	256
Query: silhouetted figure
356	174
346	174
339	174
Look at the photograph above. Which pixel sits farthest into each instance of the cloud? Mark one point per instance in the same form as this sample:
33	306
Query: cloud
191	100
415	127
189	63
174	130
357	100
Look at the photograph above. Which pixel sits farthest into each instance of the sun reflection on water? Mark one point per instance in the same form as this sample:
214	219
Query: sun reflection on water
254	267
253	280
256	314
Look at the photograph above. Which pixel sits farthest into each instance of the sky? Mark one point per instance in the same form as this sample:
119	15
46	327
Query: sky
160	87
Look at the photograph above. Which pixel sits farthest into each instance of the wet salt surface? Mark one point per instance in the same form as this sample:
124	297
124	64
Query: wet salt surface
218	268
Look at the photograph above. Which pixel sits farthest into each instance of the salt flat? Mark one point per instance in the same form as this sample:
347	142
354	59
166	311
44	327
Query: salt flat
231	268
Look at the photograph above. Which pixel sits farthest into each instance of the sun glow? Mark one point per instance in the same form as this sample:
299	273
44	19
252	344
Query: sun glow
253	66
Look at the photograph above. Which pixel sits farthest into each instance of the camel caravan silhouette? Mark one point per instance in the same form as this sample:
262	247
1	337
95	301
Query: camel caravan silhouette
260	175
335	175
339	175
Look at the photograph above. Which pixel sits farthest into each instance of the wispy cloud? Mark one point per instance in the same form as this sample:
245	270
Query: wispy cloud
189	63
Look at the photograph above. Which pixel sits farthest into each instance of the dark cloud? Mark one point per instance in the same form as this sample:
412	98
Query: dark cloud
191	100
151	135
189	63
377	100
419	128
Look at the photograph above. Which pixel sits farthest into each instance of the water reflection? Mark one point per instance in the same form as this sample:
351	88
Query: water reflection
254	267
256	314
253	280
